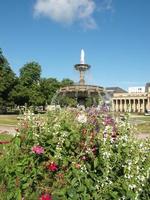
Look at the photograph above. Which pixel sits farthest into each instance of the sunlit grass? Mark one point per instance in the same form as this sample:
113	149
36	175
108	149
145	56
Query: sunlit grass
141	122
8	119
4	138
143	127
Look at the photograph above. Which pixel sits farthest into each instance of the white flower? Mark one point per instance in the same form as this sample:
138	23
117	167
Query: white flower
133	186
82	118
106	155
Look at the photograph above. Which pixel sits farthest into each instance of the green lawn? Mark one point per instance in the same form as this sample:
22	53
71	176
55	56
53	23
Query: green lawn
141	122
4	138
8	119
143	128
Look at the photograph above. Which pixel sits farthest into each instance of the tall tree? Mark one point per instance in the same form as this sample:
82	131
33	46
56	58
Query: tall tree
7	81
30	73
25	92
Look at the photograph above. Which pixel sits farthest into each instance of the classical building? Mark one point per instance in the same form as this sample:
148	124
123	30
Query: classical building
137	100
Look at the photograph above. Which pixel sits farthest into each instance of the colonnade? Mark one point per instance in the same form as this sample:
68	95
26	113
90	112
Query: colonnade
137	105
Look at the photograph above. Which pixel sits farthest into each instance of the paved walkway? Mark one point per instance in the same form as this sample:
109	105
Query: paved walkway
8	129
142	136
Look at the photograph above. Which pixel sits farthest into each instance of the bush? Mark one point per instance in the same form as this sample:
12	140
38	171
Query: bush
70	154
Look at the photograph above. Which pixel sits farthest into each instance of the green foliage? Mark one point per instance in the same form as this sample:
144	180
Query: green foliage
90	101
66	82
29	88
65	101
93	157
30	74
7	82
48	88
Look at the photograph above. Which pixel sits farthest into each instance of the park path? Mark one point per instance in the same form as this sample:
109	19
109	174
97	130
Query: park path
10	129
142	136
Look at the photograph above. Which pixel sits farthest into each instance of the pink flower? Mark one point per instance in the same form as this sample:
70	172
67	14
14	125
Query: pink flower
52	167
46	197
38	149
84	158
77	166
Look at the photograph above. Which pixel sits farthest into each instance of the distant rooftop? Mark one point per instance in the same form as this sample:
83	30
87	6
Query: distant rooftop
115	90
147	86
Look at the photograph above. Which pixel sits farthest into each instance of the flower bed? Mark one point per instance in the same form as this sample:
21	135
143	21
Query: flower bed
71	154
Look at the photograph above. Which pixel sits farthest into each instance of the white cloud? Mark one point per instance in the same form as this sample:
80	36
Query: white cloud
69	11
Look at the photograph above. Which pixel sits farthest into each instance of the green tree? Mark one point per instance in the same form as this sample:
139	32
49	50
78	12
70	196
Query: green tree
7	82
67	101
49	87
27	89
30	73
36	97
66	82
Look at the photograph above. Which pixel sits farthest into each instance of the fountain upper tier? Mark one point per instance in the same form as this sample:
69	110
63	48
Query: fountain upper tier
82	67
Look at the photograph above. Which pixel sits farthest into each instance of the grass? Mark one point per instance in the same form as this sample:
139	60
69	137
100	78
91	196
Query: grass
143	127
3	147
5	137
141	122
8	119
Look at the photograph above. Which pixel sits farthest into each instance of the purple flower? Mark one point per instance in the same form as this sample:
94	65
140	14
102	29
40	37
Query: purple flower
104	108
108	121
37	150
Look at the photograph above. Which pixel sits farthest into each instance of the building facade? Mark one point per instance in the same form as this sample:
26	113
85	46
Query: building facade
137	100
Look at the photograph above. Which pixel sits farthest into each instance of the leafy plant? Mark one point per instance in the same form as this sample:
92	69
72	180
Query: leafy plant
71	154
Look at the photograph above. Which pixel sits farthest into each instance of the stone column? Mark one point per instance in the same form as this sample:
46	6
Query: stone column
114	105
129	105
134	106
148	103
139	106
125	105
143	106
120	105
117	105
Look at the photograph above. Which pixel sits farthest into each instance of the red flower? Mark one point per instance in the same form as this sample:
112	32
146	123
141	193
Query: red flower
46	197
52	167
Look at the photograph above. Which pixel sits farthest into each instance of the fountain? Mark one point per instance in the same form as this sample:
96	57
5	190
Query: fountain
81	91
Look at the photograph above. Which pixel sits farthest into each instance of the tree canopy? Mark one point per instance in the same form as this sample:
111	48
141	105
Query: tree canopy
7	82
30	74
29	87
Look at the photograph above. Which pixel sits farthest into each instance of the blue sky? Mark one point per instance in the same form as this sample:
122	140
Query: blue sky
115	35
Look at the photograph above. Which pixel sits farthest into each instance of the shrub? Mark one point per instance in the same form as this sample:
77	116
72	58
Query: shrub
71	154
